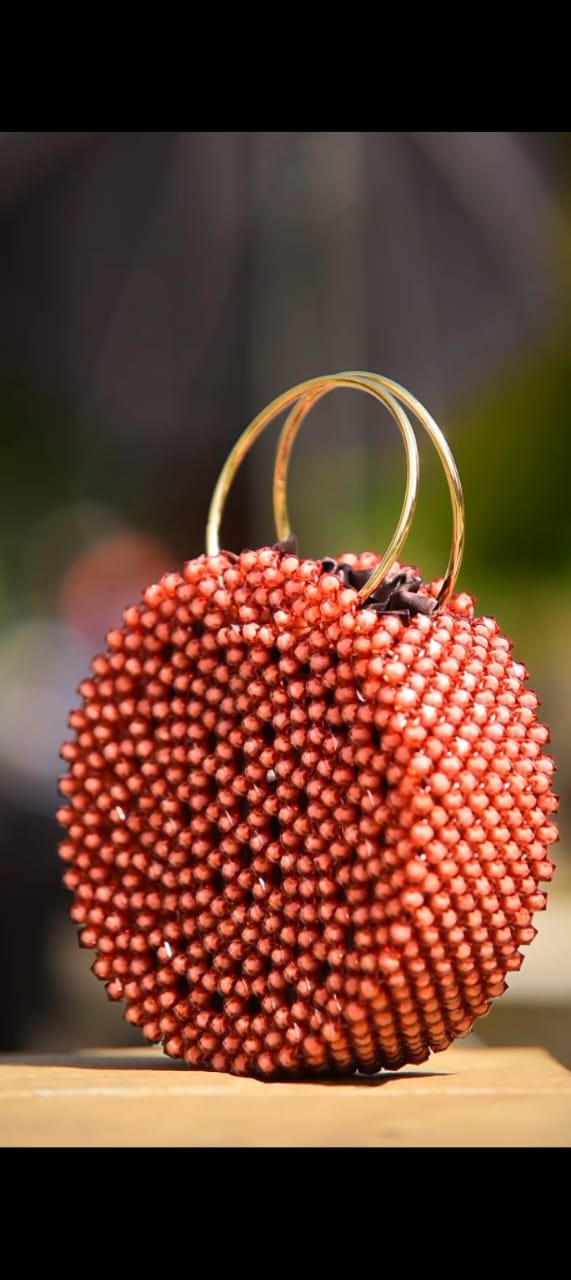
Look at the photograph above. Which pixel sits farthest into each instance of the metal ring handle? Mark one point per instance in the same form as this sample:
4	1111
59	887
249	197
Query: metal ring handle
307	394
283	455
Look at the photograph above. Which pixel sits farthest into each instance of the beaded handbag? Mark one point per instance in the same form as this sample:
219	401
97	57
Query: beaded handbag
307	803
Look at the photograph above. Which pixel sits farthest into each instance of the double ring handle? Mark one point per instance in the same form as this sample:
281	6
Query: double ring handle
300	400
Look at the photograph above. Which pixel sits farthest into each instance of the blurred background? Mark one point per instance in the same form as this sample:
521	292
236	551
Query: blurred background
158	289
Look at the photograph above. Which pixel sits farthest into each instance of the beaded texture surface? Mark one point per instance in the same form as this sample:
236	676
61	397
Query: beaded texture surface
304	836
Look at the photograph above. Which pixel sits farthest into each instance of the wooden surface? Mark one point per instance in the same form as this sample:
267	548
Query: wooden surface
464	1097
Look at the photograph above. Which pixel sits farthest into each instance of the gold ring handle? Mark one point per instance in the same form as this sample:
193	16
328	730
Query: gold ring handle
304	396
283	454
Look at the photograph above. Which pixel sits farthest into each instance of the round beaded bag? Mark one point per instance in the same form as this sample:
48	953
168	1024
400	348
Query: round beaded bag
307	803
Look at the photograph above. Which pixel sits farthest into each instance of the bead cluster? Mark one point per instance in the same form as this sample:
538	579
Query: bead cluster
303	836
